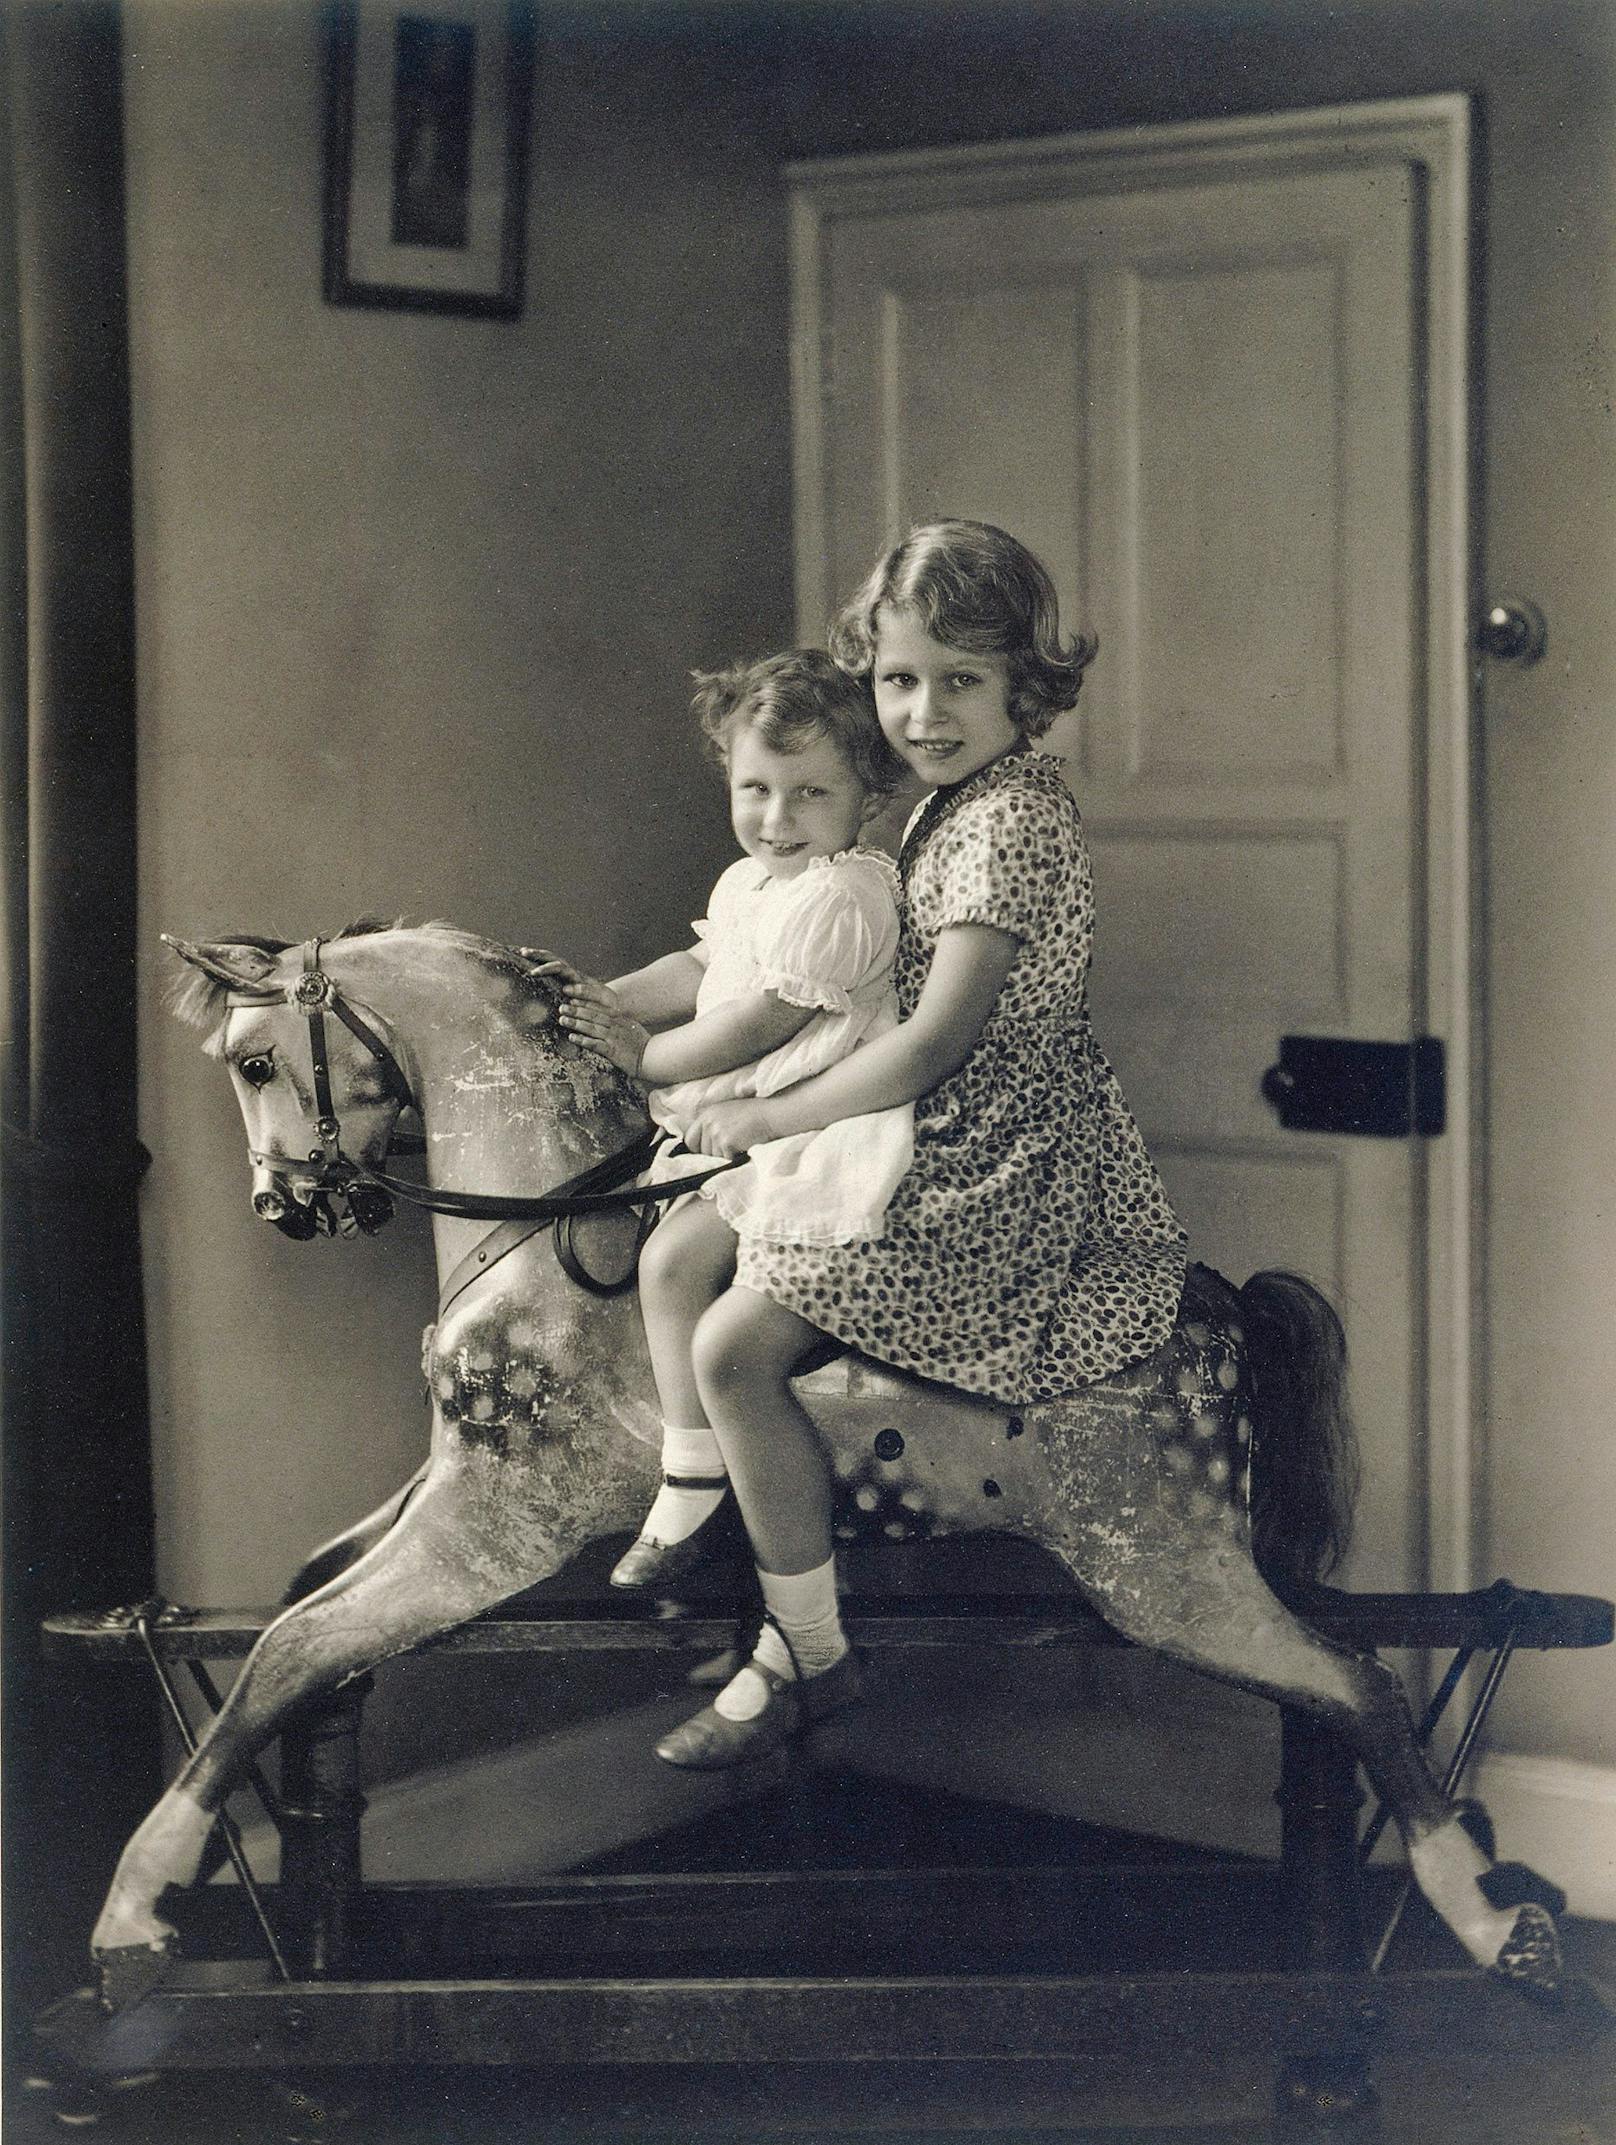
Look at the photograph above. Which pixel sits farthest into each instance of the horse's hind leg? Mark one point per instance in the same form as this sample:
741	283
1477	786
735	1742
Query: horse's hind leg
460	1547
1168	1563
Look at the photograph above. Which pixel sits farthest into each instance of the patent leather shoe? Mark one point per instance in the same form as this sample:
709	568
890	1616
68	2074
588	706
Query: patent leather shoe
711	1743
646	1564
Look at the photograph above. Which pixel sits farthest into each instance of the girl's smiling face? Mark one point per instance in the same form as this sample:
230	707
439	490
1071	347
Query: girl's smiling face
946	712
789	807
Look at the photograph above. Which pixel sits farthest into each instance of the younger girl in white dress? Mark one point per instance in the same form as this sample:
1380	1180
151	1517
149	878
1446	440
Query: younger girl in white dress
791	970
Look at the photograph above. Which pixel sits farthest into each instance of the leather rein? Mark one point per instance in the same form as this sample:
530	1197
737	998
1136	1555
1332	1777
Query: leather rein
606	1187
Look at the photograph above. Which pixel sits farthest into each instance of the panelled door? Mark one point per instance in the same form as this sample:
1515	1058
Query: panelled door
1215	377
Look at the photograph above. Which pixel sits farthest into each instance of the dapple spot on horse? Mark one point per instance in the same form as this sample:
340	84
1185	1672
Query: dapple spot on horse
1172	1493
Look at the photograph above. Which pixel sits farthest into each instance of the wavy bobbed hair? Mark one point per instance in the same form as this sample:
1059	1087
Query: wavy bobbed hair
791	700
974	587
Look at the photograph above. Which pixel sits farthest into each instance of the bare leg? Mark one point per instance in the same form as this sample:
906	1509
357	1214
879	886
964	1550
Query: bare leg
687	1265
745	1351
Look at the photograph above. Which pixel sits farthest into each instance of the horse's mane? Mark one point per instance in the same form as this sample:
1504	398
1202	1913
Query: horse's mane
201	1001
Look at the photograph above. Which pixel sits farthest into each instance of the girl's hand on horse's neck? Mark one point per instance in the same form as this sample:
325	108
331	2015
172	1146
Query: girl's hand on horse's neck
662	992
737	1033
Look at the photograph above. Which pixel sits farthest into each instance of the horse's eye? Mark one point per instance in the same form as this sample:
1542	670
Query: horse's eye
258	1070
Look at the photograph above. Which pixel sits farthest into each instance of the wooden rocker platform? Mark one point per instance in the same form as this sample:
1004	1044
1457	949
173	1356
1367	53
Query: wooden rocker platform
1234	1961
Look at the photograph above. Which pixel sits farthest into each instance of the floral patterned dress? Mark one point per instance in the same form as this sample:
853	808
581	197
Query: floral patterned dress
1030	1249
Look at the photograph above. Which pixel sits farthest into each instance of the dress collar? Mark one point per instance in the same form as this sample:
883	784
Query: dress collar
1013	765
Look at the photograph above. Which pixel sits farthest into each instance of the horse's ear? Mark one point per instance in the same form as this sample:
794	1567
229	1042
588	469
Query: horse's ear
227	961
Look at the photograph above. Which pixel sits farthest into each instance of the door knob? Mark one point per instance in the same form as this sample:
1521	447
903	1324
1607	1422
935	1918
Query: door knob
1512	631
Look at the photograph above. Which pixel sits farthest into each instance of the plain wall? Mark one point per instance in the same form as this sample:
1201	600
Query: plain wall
417	598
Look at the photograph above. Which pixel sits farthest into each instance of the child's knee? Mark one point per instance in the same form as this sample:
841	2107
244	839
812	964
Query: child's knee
662	1266
733	1348
686	1262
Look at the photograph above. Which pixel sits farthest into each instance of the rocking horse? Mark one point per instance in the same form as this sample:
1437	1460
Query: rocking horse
1178	1494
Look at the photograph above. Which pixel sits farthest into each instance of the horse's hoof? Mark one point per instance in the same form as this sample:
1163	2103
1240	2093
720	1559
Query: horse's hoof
1530	1961
127	1972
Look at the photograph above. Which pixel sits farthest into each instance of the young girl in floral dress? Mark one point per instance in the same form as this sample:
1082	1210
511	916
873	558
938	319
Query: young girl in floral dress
1030	1248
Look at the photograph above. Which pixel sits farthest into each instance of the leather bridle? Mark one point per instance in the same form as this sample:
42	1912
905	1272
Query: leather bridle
604	1188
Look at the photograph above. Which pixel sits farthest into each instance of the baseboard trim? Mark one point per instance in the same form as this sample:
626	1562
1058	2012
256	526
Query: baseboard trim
1559	1814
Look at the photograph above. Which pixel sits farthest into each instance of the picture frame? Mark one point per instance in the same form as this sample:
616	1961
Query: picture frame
426	150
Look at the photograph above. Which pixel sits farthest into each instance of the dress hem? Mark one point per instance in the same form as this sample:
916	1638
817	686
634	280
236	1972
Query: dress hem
1022	1397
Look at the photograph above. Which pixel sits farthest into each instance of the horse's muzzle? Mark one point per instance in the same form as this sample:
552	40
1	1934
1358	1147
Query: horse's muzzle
338	1207
299	1213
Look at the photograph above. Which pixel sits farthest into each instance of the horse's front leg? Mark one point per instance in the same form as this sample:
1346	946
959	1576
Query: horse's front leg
479	1530
344	1550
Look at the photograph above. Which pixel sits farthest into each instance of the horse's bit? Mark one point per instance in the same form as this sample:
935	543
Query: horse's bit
605	1188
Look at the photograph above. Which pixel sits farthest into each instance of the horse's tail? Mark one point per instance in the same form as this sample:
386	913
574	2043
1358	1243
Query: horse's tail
1304	1457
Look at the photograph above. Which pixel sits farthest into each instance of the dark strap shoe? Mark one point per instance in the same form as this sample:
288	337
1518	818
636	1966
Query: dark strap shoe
710	1743
647	1564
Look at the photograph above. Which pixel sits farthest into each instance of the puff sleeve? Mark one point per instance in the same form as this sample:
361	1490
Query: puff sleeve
830	931
1007	856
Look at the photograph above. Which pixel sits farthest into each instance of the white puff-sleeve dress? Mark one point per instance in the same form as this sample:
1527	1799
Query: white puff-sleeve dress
828	939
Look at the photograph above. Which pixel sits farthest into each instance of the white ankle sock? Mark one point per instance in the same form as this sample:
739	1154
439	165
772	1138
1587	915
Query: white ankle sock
675	1513
804	1606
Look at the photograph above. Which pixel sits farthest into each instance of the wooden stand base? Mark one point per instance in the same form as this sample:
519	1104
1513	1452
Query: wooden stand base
1234	1969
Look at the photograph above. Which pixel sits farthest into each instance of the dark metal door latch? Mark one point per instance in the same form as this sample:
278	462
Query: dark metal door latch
1331	1083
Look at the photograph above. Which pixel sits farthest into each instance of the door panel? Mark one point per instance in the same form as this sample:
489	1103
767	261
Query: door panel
1232	632
1196	385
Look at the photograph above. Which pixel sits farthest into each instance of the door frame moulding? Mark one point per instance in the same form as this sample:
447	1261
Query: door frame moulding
1431	138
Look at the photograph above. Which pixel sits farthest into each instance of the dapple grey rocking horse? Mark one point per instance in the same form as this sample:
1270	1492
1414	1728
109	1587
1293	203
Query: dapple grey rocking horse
1167	1492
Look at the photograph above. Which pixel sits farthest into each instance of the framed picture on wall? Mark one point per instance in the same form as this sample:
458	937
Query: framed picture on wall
426	154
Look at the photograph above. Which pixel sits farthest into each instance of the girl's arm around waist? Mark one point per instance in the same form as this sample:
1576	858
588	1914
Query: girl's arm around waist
967	973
